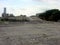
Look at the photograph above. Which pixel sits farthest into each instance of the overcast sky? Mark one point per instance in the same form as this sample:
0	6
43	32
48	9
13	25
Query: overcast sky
28	7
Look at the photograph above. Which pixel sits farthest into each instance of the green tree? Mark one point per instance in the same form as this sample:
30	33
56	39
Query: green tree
50	15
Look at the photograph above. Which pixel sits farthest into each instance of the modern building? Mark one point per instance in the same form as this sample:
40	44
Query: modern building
5	10
4	14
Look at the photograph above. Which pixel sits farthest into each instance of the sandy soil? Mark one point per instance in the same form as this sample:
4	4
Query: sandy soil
30	34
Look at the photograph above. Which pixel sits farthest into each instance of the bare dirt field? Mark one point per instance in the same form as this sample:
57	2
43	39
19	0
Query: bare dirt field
30	34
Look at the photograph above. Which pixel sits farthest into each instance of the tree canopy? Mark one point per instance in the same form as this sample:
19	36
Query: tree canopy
50	15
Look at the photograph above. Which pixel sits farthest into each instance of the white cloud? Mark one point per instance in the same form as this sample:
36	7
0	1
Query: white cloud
31	10
51	4
48	1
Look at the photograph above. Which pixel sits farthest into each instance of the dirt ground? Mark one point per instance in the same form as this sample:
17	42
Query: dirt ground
30	34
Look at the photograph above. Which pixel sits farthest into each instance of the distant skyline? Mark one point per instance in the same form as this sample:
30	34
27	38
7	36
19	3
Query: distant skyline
28	7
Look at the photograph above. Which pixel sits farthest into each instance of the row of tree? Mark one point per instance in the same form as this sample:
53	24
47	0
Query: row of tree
50	15
12	18
15	20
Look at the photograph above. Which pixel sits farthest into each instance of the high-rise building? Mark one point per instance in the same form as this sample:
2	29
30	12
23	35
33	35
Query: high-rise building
4	14
5	10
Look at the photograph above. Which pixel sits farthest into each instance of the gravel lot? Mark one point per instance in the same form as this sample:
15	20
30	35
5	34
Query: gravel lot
30	34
